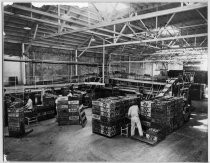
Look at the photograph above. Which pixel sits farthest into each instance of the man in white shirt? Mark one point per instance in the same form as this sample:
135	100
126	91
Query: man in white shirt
133	112
70	94
29	104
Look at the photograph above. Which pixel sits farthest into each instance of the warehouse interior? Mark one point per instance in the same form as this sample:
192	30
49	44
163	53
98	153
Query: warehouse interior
74	73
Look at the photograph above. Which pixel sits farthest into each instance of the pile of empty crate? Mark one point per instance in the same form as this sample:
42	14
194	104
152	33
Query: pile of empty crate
108	114
161	116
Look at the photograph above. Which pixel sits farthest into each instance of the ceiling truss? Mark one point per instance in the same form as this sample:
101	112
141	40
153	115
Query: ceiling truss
131	30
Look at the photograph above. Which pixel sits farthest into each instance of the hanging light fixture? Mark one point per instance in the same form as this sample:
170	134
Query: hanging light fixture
92	39
27	27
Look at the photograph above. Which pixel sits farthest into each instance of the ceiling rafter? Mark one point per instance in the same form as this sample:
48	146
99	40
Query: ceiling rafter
146	35
134	18
53	16
152	40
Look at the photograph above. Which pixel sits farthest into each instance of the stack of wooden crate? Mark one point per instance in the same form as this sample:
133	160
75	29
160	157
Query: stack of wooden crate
108	114
163	115
67	111
16	126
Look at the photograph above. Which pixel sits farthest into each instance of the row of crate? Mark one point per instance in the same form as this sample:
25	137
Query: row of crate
17	118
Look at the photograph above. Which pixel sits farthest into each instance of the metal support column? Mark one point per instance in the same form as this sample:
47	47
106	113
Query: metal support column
103	62
59	20
110	59
114	39
34	67
129	65
23	72
76	66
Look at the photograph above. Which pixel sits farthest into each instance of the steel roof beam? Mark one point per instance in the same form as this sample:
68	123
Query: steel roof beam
150	40
51	23
49	15
134	18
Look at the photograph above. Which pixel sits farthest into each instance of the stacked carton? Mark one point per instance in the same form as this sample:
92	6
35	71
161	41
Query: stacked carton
43	112
161	116
67	110
49	100
108	114
16	126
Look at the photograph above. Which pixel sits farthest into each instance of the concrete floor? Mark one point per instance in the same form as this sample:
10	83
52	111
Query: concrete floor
50	142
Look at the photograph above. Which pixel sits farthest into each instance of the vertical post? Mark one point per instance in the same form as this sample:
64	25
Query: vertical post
156	26
76	66
88	16
156	23
103	62
31	12
71	65
110	63
114	34
33	64
59	20
195	42
23	72
69	69
129	64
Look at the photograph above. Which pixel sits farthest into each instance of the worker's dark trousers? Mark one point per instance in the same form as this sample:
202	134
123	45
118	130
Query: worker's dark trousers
136	121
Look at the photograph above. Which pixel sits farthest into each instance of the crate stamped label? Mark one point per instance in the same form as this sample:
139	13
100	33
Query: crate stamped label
147	103
108	114
63	106
50	112
73	110
73	102
94	116
73	117
146	111
145	123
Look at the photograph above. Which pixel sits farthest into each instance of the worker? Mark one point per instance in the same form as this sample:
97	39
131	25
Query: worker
29	104
180	78
56	107
133	113
189	99
141	92
71	88
52	90
83	98
69	94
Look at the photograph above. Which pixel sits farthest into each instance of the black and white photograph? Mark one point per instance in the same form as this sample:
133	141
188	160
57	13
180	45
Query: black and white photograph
104	81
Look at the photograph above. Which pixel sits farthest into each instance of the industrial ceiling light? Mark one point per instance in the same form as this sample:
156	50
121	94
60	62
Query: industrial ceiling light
92	39
27	28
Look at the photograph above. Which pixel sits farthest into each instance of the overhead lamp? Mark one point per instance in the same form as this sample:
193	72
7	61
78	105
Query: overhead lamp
27	28
4	33
92	39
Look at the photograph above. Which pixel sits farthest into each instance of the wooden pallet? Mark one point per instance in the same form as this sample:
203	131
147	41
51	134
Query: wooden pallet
143	139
